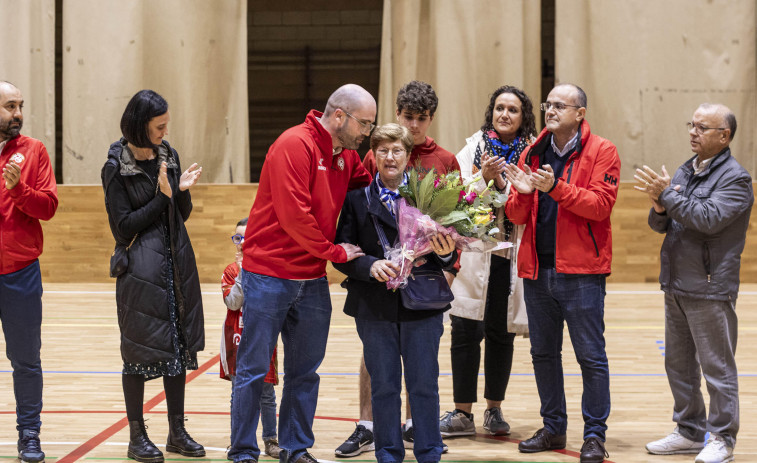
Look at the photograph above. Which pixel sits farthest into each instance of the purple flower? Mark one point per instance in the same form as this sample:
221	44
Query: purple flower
462	195
471	197
437	181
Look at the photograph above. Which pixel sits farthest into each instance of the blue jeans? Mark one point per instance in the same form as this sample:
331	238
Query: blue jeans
21	317
552	299
267	409
301	312
386	346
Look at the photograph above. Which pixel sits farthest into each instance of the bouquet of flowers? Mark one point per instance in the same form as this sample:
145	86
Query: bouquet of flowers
432	204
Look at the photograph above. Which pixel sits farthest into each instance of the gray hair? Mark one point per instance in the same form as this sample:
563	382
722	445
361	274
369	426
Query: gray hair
728	117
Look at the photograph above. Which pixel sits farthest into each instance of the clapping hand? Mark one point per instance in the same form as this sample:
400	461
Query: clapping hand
165	186
520	179
543	179
653	184
190	177
11	175
492	167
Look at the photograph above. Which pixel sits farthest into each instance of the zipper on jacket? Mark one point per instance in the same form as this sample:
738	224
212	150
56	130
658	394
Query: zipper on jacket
706	258
596	248
570	170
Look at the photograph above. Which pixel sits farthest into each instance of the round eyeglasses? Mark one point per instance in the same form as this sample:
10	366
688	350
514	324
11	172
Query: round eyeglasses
237	238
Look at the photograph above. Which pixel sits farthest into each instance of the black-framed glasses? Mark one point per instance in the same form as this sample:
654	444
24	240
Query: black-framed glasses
237	238
559	107
700	129
369	126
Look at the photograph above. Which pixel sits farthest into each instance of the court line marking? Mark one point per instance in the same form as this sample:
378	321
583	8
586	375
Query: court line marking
98	439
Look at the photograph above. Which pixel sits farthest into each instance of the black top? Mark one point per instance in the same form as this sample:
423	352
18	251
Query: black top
368	298
546	218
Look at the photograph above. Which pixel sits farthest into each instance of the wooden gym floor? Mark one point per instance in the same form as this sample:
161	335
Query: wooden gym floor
84	418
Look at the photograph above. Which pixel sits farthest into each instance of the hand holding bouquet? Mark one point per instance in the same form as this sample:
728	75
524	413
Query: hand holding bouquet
443	204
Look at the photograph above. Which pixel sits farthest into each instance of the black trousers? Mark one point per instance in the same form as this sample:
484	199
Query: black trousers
466	342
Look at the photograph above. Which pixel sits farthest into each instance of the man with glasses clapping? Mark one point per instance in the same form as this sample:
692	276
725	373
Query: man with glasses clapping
566	184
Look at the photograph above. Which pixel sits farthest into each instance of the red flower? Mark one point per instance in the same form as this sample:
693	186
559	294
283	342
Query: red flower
471	197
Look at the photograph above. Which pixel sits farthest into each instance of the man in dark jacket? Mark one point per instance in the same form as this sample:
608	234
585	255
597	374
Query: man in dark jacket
28	194
704	213
566	185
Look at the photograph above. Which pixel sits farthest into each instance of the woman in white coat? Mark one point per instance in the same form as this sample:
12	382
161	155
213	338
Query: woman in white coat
488	301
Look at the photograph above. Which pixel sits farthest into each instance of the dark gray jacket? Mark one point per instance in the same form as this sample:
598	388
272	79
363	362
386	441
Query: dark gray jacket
142	291
705	225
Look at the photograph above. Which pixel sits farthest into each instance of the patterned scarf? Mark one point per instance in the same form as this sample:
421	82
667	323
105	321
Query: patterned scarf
387	196
492	145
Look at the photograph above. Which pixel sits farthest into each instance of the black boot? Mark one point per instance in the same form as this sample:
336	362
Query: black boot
140	447
180	441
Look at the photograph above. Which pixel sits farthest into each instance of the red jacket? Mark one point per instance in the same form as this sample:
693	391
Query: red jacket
428	153
585	195
34	198
232	333
292	223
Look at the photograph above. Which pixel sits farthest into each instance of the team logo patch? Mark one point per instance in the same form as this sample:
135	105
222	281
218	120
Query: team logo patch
610	179
340	163
18	158
320	165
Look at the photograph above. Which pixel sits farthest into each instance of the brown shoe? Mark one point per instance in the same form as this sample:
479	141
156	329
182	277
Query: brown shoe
541	441
272	447
593	451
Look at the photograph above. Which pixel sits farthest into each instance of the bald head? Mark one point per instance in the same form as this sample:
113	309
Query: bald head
350	98
724	113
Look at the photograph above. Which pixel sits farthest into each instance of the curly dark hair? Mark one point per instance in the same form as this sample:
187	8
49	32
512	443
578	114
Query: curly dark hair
417	97
528	123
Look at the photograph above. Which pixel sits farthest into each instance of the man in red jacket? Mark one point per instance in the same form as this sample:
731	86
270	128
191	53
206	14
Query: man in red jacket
28	194
566	185
306	175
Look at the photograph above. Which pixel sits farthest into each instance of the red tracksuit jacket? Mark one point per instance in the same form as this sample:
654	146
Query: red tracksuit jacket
292	224
34	198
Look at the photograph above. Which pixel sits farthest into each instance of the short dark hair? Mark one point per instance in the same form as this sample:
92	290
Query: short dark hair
527	127
142	107
242	223
417	97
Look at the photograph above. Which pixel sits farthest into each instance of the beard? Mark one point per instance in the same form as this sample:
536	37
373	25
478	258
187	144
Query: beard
348	141
7	132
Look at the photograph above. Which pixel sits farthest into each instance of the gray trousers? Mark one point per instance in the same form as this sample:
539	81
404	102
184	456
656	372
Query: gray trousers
700	335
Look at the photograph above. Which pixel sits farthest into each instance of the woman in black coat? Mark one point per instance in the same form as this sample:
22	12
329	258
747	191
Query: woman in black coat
158	295
392	334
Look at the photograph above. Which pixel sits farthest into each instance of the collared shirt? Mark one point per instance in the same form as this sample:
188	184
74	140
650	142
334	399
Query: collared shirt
568	146
699	167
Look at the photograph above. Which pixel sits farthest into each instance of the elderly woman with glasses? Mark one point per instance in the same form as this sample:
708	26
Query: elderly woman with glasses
392	334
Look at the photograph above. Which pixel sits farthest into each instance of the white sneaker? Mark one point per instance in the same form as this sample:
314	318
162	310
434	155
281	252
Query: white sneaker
673	444
716	451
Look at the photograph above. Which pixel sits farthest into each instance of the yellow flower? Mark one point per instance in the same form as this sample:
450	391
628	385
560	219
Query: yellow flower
481	219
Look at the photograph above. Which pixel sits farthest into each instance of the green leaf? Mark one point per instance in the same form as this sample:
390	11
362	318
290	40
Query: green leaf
452	217
443	203
425	191
408	194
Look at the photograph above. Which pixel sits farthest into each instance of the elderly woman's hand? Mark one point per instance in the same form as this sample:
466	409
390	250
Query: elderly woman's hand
383	270
442	244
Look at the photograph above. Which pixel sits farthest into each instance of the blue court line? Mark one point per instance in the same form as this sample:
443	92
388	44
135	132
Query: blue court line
741	375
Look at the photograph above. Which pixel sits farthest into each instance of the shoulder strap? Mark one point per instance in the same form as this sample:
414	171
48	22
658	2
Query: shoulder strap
379	228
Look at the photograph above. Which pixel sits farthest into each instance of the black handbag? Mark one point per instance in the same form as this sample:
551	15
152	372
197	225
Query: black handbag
427	288
119	260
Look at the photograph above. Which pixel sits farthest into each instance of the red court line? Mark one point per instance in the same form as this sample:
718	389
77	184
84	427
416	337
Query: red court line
123	422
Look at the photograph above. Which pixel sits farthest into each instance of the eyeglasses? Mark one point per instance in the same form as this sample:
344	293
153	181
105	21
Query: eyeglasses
364	126
396	152
559	107
237	239
700	129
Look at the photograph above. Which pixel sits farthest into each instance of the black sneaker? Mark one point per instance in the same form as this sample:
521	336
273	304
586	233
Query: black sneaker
360	441
494	423
29	449
407	438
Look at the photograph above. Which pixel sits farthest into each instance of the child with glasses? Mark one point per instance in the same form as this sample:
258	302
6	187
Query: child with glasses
233	297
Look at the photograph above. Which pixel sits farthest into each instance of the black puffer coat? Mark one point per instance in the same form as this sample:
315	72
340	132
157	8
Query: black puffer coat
141	292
